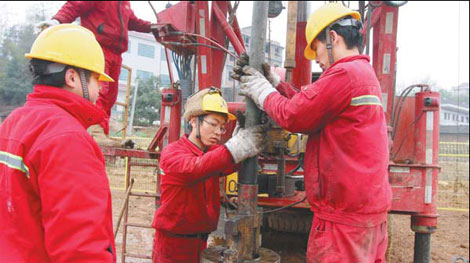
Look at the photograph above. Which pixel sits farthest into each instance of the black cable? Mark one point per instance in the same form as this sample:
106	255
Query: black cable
284	207
406	136
299	164
397	112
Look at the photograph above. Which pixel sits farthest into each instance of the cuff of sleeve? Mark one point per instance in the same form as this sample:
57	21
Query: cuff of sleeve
276	80
264	95
235	158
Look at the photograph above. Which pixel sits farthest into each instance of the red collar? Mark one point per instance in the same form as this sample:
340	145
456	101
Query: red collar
351	58
80	108
193	147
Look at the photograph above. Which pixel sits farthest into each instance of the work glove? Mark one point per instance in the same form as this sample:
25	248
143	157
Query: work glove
255	86
244	60
39	27
247	143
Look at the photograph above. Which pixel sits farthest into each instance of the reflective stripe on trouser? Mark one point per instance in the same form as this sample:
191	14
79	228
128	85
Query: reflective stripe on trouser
366	100
14	161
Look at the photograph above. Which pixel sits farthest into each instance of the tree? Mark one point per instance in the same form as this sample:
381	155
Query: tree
459	97
15	42
15	78
148	103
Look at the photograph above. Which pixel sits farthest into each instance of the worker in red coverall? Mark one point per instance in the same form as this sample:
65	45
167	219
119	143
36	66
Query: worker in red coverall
191	166
55	202
110	22
346	157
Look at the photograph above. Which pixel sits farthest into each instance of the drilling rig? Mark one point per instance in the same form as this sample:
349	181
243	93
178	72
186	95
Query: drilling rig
270	187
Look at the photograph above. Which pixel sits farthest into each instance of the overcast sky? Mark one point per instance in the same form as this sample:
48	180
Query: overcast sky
433	37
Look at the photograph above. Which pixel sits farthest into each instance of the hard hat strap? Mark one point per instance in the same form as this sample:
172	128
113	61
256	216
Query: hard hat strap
198	132
81	73
198	124
329	46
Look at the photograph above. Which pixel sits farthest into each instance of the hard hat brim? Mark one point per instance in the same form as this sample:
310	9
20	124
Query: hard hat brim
309	53
105	78
231	117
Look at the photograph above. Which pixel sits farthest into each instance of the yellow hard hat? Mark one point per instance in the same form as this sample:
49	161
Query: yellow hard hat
71	45
206	101
320	19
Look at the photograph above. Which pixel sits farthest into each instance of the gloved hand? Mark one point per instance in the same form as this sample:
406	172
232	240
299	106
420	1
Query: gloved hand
39	27
247	143
255	86
244	60
272	77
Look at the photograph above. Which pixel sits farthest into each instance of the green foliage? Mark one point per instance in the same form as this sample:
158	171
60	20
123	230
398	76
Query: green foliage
15	78
148	103
15	41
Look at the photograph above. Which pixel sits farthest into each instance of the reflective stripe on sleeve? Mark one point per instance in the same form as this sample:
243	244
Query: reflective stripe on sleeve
366	100
14	161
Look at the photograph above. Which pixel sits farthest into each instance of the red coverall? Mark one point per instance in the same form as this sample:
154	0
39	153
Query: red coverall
190	199
55	202
346	159
110	22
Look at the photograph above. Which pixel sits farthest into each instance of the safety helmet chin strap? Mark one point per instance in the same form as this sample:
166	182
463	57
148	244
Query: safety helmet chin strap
81	73
198	132
329	46
198	126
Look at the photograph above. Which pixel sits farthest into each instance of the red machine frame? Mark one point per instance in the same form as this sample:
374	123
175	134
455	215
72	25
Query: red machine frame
413	121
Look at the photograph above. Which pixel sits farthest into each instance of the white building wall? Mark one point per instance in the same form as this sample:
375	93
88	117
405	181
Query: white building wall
452	115
144	63
230	87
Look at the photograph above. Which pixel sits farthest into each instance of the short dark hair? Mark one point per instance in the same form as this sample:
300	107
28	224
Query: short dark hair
352	35
41	75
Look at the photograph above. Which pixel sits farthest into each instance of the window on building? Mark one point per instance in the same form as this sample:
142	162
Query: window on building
162	54
146	50
277	51
446	115
467	119
246	39
123	74
267	47
229	70
143	75
165	80
128	47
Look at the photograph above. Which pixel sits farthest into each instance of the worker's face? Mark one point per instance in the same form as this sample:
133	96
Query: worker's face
211	128
319	47
73	84
322	54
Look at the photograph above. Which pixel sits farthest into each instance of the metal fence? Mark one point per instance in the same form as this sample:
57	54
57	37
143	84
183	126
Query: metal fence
453	189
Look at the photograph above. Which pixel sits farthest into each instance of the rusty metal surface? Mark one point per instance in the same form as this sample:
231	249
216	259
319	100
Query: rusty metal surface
123	152
223	254
284	201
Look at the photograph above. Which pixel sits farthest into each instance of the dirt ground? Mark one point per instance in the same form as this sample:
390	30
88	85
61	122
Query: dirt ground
450	243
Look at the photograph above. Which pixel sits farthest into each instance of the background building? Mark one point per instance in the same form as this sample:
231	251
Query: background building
146	57
454	123
274	56
454	117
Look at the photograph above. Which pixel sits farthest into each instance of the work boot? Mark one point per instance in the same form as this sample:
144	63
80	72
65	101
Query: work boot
97	132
